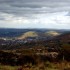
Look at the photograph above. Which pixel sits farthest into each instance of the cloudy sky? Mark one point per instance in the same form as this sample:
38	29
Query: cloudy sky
35	14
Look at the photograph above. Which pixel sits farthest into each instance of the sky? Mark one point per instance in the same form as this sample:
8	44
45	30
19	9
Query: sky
53	14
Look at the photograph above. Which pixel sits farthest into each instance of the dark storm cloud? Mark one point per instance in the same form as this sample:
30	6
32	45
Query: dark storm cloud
25	7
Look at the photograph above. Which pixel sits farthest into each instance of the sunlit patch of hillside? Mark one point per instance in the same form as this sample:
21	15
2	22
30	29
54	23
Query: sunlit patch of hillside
28	34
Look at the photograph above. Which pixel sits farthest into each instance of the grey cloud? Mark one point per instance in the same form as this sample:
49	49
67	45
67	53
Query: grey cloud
29	7
2	18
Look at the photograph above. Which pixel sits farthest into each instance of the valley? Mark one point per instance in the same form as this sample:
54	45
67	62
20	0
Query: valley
35	47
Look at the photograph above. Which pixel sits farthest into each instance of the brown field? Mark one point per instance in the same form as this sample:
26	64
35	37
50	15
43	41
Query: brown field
41	66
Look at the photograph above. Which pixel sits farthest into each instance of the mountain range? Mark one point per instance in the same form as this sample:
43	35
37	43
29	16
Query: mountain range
39	34
4	32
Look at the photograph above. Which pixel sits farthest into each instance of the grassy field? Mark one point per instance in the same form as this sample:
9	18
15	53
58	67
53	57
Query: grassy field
7	67
41	66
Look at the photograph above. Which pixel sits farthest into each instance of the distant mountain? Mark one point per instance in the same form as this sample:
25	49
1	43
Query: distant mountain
4	32
39	35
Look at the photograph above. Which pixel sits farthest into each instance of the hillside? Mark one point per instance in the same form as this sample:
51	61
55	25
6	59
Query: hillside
61	42
28	34
64	40
52	33
35	52
39	35
23	42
